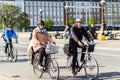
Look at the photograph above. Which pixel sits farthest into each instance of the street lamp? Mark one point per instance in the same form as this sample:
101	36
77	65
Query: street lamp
41	10
102	4
67	13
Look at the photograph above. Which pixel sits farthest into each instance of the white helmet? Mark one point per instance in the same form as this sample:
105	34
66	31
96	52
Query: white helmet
79	20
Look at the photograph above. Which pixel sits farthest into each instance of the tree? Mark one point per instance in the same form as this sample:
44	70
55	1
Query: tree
24	21
9	14
48	24
12	15
71	22
91	21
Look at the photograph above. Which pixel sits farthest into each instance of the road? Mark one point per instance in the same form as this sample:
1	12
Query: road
107	54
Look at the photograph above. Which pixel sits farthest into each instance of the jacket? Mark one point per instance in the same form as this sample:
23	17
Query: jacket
78	33
40	39
10	34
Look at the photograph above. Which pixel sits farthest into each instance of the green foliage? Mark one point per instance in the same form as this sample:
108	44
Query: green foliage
48	24
91	21
12	15
24	21
71	22
9	14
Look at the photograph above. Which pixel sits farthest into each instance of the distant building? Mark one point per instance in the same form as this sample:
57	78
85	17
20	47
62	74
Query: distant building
55	10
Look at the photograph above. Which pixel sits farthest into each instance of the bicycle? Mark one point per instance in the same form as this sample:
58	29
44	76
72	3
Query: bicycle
52	67
12	52
89	64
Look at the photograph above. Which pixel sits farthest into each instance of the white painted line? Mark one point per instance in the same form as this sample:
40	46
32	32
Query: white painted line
106	55
104	48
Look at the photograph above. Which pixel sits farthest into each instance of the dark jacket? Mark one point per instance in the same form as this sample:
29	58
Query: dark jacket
78	33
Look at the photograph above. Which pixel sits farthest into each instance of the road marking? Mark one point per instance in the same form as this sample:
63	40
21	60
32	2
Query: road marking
104	48
107	55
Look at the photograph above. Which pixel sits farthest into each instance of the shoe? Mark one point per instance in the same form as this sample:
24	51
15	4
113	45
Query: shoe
74	73
40	67
14	59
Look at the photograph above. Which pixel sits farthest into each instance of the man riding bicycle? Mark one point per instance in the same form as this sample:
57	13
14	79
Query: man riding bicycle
9	33
40	39
76	35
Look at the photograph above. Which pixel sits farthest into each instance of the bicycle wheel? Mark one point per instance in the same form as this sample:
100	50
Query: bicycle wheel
69	65
13	54
91	67
38	72
53	69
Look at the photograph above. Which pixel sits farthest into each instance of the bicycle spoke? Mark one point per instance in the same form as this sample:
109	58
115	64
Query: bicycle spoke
36	70
53	69
91	68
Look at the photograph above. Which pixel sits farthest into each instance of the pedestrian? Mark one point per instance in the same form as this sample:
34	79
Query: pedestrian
93	31
57	34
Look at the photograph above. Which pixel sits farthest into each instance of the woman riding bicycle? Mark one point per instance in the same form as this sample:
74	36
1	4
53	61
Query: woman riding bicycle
76	35
40	40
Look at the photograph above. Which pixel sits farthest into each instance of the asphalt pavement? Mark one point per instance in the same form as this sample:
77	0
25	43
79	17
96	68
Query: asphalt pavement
107	48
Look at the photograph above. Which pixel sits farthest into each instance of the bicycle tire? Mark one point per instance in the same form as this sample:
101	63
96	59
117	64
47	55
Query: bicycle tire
36	70
69	62
14	54
53	69
69	65
91	68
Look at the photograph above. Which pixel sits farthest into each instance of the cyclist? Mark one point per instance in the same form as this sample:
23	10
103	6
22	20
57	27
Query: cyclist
9	33
40	39
66	32
76	35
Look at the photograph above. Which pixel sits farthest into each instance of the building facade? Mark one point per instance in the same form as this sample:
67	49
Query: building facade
55	10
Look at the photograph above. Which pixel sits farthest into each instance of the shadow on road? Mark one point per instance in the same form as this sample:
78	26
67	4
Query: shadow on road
22	60
109	76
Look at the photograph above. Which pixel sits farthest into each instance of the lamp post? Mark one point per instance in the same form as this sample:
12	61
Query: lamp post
102	4
41	10
67	13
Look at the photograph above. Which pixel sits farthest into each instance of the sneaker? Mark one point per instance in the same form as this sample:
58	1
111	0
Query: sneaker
74	73
14	59
40	67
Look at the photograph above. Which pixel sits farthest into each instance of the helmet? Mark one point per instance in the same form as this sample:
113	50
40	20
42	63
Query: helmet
79	20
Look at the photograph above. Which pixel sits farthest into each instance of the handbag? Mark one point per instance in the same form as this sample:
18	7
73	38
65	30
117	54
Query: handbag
51	48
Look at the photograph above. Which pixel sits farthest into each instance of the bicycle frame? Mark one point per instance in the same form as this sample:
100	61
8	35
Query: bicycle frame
51	67
89	64
11	52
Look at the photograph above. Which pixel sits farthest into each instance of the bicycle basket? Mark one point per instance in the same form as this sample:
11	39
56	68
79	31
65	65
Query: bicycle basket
51	49
66	48
91	48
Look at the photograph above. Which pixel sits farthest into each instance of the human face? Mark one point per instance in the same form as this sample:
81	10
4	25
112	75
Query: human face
10	28
79	24
41	25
